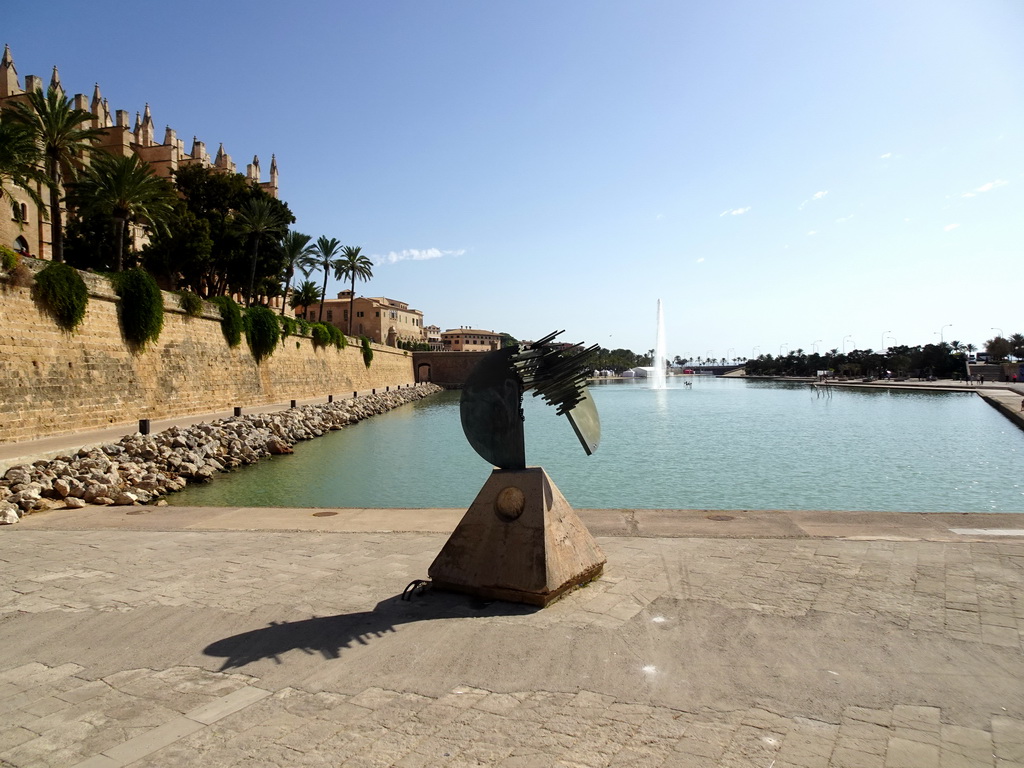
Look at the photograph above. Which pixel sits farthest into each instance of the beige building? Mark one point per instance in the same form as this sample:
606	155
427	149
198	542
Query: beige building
432	335
386	321
27	230
470	340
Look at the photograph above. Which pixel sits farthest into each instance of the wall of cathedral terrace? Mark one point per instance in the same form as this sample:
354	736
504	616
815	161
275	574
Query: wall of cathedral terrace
54	382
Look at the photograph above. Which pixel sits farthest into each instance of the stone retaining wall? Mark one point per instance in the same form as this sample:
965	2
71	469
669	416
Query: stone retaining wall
54	382
448	369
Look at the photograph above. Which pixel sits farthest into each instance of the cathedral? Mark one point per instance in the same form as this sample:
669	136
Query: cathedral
27	230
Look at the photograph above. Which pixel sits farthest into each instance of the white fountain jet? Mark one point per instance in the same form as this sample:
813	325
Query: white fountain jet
658	378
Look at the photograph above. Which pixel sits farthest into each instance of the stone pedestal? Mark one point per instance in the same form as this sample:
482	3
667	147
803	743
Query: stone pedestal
520	541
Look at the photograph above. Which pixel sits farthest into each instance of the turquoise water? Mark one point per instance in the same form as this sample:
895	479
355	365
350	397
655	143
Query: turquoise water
720	444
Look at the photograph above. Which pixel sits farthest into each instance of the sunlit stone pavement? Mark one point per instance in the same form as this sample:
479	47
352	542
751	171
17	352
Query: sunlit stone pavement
161	642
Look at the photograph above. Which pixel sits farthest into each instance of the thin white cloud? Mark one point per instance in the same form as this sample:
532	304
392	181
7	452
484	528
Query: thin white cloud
950	227
734	212
812	232
816	196
700	260
659	217
986	188
886	156
415	254
844	218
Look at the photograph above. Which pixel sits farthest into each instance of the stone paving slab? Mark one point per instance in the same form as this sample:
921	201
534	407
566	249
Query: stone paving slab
270	647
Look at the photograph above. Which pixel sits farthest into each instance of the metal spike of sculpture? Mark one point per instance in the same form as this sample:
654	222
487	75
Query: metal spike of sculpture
520	540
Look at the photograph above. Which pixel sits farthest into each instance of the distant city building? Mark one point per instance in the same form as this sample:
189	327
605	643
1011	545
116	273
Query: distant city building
383	320
470	340
432	335
28	230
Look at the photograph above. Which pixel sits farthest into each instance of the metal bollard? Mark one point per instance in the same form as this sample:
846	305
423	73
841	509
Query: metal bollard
143	426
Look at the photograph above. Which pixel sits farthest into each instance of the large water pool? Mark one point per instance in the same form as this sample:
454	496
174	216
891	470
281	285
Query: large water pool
719	444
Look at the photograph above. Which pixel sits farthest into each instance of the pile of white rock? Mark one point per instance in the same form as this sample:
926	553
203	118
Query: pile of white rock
140	469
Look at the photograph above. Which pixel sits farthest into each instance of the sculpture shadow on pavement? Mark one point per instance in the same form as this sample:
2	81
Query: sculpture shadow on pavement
330	635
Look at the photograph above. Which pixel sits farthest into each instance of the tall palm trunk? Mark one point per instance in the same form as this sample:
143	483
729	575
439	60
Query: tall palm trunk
320	317
351	304
287	290
119	227
252	272
56	226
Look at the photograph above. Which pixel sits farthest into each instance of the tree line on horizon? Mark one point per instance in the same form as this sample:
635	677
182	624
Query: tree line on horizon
942	360
209	232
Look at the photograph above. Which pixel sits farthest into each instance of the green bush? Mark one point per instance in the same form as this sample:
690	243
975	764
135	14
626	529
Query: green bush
321	334
230	319
303	326
63	291
367	351
9	259
142	305
288	327
337	337
262	331
190	303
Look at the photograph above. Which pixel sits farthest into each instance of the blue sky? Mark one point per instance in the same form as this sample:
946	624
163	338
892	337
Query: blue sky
777	173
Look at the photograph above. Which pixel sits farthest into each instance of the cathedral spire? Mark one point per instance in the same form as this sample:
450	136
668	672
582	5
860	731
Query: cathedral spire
8	74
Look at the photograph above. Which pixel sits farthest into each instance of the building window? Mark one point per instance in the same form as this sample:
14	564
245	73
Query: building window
330	314
378	313
344	314
360	314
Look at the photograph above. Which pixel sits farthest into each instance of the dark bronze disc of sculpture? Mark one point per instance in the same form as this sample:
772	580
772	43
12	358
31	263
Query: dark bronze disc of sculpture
491	407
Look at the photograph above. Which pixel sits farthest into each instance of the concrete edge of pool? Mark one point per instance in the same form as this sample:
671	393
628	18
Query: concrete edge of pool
647	523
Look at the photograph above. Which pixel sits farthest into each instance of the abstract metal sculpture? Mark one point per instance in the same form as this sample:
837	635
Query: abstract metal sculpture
520	540
492	399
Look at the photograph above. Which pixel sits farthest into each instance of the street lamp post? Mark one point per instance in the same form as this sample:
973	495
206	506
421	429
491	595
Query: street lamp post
883	339
942	332
814	345
753	352
844	342
730	353
783	344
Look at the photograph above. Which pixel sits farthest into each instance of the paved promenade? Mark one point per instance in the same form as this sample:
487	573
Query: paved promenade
175	636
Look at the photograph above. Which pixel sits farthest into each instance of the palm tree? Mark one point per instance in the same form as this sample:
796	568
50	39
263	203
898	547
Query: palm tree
57	129
352	264
296	248
258	218
126	190
324	253
19	163
306	294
